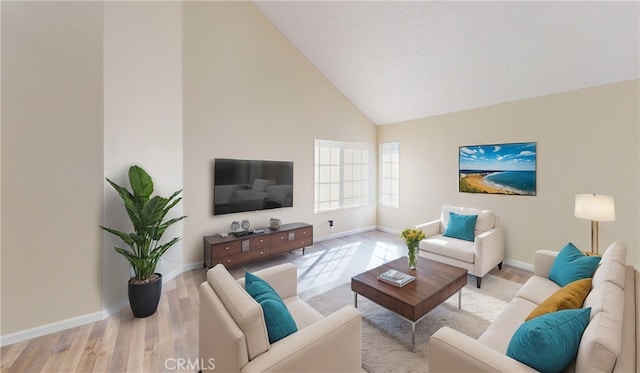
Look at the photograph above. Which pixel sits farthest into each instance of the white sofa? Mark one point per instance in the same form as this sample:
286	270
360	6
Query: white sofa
477	257
608	344
233	335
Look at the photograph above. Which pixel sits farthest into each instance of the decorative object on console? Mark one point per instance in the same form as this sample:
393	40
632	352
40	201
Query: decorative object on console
147	215
274	224
245	224
498	169
235	226
597	208
412	237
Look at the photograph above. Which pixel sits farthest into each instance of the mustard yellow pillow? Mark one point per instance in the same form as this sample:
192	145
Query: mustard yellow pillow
570	296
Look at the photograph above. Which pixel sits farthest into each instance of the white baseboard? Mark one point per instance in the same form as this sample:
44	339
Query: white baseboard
83	319
344	233
50	328
519	264
388	230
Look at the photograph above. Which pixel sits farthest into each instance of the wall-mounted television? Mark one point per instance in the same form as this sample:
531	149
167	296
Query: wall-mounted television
250	185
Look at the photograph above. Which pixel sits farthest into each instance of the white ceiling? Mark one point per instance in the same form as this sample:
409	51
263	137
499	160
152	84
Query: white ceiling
401	60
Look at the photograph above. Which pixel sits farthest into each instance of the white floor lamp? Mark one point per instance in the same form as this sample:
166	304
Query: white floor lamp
597	208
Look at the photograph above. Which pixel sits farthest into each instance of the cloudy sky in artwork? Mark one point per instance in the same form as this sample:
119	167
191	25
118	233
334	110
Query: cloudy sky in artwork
499	157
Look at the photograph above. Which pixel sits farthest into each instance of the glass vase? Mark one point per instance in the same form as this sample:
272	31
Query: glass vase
413	257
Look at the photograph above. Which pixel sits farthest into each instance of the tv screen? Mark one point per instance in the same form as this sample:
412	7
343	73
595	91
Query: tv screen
250	185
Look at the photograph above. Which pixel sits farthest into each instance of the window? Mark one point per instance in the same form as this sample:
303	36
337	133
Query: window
343	175
390	174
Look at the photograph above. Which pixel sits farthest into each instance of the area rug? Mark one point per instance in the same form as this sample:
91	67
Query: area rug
386	337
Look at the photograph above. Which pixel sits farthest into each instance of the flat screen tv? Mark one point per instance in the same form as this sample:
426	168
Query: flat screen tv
250	185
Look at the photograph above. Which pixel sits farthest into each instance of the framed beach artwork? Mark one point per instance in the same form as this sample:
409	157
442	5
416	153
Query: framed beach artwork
498	169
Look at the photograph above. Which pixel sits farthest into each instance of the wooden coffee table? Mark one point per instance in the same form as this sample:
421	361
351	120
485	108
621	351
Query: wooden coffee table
435	283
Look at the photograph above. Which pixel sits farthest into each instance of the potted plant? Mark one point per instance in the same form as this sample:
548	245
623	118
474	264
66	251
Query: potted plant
147	215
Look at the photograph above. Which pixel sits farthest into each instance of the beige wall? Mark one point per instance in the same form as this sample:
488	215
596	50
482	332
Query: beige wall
142	122
51	162
249	93
587	142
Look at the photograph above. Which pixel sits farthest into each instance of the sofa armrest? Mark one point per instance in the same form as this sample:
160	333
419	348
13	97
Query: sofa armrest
452	351
489	250
542	262
333	344
283	279
431	228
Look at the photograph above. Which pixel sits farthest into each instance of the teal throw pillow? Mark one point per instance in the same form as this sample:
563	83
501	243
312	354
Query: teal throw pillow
277	317
549	342
571	265
461	226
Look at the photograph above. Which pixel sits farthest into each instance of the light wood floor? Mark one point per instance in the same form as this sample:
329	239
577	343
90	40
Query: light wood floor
122	343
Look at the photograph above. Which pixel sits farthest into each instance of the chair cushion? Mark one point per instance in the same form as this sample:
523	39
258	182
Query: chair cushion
461	226
277	317
571	265
244	310
548	343
568	297
449	247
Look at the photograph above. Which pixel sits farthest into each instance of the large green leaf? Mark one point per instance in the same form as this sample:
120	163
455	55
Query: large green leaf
141	182
153	211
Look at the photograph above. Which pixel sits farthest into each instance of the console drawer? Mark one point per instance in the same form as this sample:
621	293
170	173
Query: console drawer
226	249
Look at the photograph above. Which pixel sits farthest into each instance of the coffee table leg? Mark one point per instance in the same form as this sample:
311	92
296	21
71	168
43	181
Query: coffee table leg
460	299
413	337
355	299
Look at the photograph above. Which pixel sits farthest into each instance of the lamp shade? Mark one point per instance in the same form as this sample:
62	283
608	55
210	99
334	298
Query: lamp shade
595	207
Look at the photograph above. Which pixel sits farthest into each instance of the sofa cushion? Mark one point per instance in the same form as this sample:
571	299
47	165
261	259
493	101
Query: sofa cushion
616	252
461	226
568	297
601	341
611	271
450	247
498	334
548	343
244	310
277	317
537	289
571	265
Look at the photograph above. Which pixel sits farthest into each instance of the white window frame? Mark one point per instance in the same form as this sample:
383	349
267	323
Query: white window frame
389	187
344	175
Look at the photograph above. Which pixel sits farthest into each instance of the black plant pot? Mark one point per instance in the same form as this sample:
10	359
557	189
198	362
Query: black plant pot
144	298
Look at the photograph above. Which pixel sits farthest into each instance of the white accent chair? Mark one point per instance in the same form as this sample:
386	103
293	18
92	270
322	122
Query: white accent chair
233	335
479	256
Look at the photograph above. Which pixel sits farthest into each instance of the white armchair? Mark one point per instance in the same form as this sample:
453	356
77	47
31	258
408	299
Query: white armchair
478	256
233	335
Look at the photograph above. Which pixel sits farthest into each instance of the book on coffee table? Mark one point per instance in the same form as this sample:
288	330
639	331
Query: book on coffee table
396	278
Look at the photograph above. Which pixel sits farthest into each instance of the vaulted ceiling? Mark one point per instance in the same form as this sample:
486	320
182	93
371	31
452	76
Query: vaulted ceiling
401	60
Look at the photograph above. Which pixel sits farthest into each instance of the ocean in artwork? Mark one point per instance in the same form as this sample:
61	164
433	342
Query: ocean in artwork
520	182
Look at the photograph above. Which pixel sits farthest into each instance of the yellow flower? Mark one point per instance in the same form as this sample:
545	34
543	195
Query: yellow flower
412	237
